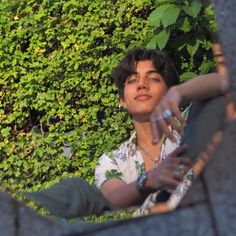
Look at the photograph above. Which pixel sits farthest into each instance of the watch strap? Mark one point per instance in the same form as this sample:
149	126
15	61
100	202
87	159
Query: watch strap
140	182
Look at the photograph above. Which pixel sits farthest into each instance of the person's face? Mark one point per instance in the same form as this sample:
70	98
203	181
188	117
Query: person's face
143	90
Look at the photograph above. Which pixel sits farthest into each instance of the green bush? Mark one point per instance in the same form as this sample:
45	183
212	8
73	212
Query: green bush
55	67
56	58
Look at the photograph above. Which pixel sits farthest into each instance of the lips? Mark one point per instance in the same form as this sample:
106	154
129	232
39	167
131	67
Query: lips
142	97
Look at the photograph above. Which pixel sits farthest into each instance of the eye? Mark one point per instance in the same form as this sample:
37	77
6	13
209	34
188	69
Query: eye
155	79
131	80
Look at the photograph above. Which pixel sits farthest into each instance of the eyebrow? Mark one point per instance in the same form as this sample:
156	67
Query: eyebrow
147	72
151	71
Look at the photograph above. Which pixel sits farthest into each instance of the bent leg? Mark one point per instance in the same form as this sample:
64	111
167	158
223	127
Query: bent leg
204	119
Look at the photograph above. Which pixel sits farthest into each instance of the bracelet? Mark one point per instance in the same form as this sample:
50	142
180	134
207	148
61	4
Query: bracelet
141	180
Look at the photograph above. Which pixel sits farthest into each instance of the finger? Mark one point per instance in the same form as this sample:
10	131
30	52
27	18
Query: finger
154	118
179	151
180	172
174	124
163	126
185	161
170	182
155	131
178	163
178	114
177	175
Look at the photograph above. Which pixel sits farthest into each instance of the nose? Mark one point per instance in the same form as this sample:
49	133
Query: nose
142	83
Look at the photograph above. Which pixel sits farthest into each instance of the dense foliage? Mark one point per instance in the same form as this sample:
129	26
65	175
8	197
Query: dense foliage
56	58
56	61
184	29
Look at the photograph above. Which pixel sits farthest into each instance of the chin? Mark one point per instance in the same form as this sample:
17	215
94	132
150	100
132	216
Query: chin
142	115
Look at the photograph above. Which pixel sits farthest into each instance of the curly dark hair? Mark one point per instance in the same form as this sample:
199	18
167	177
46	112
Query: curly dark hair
160	60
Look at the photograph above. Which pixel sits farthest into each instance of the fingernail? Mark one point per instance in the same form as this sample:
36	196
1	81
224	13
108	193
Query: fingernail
173	140
155	140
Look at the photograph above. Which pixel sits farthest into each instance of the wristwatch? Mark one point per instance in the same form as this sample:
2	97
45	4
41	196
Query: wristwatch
140	183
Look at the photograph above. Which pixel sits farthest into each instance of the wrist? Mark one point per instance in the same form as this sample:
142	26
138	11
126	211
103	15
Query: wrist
143	183
149	184
179	94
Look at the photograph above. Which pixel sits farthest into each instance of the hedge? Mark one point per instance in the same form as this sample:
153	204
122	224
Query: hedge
56	90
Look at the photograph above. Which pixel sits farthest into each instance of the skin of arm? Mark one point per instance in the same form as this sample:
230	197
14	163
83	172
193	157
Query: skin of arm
121	194
202	87
124	195
196	89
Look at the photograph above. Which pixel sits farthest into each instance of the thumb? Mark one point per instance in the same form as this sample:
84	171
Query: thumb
179	151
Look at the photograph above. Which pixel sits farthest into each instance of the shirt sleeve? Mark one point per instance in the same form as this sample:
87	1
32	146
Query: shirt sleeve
106	169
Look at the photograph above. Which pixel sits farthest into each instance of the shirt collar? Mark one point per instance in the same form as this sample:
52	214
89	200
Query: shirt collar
133	139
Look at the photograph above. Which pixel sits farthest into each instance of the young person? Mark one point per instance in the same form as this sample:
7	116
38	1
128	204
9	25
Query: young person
142	165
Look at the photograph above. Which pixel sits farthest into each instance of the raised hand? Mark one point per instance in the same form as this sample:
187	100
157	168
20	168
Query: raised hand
170	171
167	112
166	115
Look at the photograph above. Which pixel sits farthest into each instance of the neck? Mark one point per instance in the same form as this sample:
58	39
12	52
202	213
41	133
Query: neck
150	152
144	133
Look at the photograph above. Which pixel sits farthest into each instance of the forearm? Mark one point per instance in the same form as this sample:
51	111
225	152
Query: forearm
202	87
124	195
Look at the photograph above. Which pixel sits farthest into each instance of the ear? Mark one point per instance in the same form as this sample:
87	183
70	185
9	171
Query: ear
122	103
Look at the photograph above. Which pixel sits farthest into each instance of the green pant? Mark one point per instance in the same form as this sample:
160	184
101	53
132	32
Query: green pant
204	119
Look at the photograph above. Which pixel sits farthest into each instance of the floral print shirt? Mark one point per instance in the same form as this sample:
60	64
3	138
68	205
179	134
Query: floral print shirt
126	163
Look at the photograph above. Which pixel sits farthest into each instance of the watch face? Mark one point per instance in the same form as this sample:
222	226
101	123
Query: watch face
140	182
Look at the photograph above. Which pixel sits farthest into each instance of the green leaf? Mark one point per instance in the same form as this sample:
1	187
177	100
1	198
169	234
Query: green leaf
162	38
154	18
161	2
187	75
196	7
6	131
152	44
185	27
192	48
110	174
170	15
188	10
206	66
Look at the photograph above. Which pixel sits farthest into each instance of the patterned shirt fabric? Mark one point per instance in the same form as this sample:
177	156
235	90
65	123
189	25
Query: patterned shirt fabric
126	163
